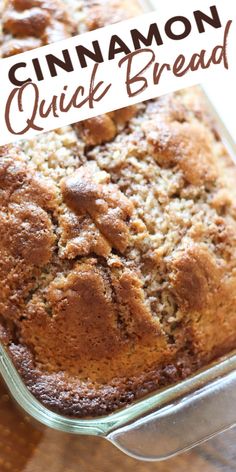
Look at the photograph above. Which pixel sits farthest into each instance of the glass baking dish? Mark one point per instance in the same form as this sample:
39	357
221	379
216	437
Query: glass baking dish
163	424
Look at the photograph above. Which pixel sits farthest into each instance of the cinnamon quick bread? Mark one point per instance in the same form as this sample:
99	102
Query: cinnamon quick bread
117	239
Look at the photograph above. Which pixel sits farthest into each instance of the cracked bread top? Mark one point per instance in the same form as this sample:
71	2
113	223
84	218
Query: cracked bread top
118	251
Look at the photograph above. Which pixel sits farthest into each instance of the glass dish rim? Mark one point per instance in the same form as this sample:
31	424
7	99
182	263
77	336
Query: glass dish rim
104	425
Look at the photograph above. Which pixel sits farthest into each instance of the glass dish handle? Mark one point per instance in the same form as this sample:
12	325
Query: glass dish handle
182	425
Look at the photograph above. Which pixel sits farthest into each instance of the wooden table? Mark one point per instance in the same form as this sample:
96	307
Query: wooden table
31	448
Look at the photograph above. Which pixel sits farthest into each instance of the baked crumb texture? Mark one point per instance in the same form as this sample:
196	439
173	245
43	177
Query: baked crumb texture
118	240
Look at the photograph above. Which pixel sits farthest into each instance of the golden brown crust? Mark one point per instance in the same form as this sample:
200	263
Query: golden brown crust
27	24
101	129
80	236
195	278
26	231
170	144
84	307
90	192
97	130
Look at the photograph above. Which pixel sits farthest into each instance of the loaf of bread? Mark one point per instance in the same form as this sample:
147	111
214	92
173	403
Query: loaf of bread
117	238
